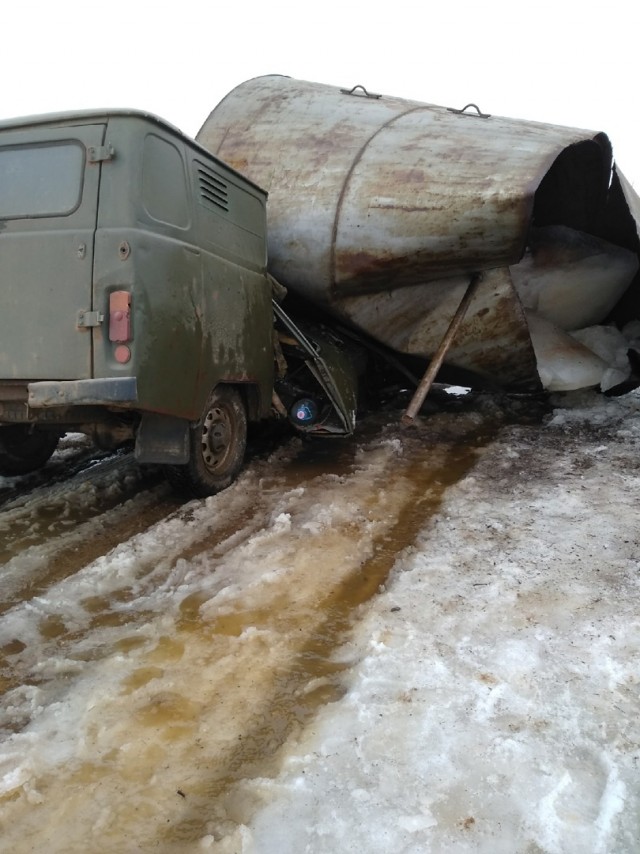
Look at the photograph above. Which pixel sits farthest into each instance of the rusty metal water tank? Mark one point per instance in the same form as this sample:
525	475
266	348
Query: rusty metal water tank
381	209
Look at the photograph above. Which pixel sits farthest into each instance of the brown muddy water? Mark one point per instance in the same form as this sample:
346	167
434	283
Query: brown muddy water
153	653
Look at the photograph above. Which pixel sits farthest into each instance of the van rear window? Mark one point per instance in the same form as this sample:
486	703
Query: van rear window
40	180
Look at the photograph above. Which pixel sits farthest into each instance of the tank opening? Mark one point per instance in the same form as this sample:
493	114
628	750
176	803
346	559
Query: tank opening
573	193
579	279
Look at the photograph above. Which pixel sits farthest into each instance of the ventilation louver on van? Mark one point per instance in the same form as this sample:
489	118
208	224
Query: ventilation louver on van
213	189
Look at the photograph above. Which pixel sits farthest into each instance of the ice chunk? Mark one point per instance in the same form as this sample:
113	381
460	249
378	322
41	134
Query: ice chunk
613	377
457	390
631	330
607	342
570	278
612	346
564	364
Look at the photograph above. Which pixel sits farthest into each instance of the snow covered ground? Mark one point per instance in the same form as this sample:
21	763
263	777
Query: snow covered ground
221	680
493	705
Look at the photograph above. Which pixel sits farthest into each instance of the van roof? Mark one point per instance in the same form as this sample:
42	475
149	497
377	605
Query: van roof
71	118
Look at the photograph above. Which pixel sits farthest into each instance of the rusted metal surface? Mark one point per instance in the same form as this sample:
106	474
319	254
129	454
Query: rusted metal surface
493	340
380	209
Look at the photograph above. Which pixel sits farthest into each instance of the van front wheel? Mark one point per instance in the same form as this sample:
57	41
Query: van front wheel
218	442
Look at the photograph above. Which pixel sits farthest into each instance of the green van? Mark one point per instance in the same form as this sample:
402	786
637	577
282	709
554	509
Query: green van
135	301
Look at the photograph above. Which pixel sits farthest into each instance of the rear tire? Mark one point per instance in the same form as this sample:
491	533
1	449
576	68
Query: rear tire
218	441
24	449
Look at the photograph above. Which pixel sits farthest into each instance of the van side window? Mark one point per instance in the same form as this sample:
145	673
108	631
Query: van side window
41	180
164	188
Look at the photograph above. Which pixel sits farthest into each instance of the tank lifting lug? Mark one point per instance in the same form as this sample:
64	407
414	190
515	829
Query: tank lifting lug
465	108
363	94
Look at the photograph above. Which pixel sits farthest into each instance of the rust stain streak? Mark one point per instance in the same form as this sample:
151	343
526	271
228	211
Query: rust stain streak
343	189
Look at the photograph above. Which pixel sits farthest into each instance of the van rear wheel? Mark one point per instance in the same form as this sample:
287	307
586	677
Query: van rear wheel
24	449
218	441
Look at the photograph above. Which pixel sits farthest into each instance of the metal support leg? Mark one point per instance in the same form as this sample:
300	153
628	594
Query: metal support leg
435	364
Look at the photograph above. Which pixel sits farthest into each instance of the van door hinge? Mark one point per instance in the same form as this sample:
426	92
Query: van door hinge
87	319
98	153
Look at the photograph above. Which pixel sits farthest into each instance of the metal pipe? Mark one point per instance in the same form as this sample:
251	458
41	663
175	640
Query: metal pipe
434	365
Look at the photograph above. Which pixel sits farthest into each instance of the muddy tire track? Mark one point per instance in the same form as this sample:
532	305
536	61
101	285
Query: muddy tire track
182	660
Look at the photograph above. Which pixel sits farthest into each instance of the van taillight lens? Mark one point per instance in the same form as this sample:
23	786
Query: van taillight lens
120	316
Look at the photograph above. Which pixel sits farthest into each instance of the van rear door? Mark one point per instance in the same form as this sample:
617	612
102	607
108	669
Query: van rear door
49	179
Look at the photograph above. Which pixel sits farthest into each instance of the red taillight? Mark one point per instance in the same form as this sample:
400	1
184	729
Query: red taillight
120	316
122	354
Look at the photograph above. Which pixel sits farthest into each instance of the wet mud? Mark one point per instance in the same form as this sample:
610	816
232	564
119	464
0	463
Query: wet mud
153	653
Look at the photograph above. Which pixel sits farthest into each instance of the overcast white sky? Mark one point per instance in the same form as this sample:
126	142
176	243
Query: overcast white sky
566	62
